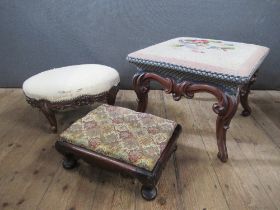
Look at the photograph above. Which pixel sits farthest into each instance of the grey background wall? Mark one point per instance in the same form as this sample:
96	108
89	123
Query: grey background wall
36	35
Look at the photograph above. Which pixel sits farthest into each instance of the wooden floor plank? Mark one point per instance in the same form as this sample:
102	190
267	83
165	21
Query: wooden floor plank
168	196
262	154
269	103
5	92
31	175
266	114
238	180
114	191
24	154
18	138
200	188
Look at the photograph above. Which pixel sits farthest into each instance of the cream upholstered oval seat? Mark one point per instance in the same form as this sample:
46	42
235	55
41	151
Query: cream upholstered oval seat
67	83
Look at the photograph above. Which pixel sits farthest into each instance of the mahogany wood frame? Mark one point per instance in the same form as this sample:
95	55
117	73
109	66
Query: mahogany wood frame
244	94
225	108
49	108
149	179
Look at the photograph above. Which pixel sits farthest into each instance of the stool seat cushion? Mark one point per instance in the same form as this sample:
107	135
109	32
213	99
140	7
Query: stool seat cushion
123	134
206	57
70	82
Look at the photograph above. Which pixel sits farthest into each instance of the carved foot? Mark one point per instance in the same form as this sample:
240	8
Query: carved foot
222	125
244	94
69	163
148	192
246	113
49	114
223	156
141	86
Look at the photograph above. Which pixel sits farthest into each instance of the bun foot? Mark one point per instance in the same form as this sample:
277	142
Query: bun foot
69	163
148	192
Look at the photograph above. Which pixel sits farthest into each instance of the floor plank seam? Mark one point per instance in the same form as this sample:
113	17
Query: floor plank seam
177	175
266	132
210	159
37	208
32	176
256	174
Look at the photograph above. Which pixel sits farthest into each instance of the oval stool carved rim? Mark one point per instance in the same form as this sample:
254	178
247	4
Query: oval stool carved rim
70	82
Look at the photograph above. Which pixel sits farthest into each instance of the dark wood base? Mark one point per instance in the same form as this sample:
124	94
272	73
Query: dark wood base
69	162
225	108
49	108
148	192
244	94
148	179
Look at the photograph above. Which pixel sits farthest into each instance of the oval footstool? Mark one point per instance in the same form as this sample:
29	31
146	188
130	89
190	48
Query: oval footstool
70	87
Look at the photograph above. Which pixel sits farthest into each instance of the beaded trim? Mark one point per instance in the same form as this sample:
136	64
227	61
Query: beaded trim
228	77
77	101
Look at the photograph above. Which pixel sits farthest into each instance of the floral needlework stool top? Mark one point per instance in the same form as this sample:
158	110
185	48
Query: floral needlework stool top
232	61
120	133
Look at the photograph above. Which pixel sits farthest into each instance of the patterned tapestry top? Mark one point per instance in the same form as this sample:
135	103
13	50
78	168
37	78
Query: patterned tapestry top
120	133
215	57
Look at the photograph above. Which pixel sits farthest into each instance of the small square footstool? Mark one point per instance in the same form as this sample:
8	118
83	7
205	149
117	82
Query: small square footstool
122	140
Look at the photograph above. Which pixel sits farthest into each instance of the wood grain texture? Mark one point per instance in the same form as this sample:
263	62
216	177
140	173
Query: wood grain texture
31	176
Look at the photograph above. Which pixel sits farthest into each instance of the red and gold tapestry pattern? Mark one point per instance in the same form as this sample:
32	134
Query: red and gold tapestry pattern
132	137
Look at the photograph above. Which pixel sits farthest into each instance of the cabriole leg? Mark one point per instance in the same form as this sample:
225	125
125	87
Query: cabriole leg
225	108
222	125
49	115
141	87
111	95
111	99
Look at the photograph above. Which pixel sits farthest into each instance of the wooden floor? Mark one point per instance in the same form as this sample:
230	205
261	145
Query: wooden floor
31	176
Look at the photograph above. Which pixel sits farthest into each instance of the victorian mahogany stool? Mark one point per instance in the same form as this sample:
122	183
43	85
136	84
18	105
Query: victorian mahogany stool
187	65
122	140
71	87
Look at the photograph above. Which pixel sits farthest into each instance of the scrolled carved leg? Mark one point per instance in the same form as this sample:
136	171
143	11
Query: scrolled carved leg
141	87
148	192
222	125
50	115
225	108
244	93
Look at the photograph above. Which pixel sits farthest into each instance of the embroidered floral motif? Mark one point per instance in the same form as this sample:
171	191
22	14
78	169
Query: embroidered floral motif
123	134
93	143
133	156
202	45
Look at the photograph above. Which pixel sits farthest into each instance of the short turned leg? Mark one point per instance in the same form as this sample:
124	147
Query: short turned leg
141	87
69	162
111	99
148	192
49	115
111	95
244	93
222	125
